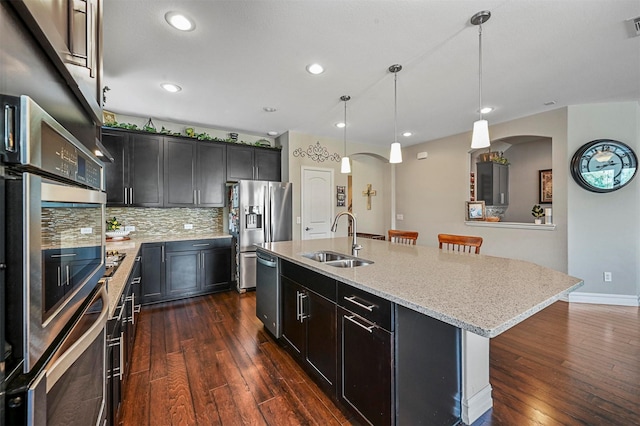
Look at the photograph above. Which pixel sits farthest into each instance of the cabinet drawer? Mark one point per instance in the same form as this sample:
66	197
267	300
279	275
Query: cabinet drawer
318	283
367	305
197	244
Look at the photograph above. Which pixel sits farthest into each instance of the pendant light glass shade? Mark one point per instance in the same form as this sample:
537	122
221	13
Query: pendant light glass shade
345	165
480	137
395	155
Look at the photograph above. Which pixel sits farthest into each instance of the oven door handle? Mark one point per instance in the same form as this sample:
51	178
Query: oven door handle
62	364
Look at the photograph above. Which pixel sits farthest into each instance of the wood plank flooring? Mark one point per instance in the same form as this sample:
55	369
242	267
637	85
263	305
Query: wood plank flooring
208	361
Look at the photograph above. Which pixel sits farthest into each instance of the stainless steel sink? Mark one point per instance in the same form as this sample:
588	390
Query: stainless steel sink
337	260
325	256
349	263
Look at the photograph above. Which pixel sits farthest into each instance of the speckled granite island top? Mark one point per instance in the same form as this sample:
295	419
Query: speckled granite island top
131	248
485	295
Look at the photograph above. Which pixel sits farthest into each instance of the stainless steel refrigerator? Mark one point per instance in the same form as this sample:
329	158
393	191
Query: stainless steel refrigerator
260	212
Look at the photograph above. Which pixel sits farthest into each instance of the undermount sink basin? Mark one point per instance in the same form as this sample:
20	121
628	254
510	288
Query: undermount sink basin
325	256
349	263
337	260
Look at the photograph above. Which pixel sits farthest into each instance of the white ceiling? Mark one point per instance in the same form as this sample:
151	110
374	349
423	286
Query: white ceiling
245	55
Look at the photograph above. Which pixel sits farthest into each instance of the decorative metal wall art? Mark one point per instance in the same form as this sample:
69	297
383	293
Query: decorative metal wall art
317	153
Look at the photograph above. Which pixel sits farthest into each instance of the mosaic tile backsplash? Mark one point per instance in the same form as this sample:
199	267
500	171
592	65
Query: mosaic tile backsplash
151	222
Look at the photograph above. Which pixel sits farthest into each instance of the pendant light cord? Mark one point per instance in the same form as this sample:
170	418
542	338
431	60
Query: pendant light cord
480	71
395	107
345	127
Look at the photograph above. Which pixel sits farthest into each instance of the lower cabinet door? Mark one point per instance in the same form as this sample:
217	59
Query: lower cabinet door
216	269
366	363
293	327
320	315
152	270
182	272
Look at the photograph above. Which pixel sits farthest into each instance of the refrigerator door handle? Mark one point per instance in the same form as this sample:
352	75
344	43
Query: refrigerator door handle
271	212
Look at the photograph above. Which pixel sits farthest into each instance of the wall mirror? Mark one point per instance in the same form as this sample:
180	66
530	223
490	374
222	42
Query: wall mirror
510	186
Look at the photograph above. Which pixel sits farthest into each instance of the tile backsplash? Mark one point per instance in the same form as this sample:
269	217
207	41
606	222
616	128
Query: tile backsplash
152	222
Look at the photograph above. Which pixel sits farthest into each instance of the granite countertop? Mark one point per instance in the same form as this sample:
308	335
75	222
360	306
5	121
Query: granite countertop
485	295
131	248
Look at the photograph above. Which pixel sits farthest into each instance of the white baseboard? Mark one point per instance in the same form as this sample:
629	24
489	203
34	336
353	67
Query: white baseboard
477	405
604	299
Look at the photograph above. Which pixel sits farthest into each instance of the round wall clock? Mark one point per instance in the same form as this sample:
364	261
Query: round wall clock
604	165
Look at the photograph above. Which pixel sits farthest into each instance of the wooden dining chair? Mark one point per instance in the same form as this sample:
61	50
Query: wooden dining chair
463	243
403	237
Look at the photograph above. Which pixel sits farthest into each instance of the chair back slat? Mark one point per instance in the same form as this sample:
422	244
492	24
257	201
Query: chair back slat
403	237
461	243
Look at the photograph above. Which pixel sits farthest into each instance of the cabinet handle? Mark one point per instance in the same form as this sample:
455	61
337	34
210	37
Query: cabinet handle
199	200
201	245
202	259
63	255
138	258
136	280
353	300
59	276
162	252
303	314
502	198
68	276
133	308
351	318
298	306
131	195
122	361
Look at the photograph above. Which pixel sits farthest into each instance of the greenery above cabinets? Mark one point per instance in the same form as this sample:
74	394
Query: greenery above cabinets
152	170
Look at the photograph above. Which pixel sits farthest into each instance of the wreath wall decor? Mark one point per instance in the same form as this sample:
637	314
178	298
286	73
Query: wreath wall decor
317	153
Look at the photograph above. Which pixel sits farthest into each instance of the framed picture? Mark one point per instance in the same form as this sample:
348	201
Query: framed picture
475	210
546	186
108	117
340	195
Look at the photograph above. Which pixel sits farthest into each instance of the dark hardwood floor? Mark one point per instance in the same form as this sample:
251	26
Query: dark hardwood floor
207	361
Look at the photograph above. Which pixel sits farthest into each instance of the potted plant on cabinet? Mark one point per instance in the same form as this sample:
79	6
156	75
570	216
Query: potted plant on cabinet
537	212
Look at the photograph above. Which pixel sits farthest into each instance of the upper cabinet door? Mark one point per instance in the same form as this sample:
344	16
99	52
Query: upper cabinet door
70	33
146	170
116	173
180	173
239	163
267	164
210	180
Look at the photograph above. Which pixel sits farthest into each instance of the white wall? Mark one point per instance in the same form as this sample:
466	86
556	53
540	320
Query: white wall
604	229
431	193
367	169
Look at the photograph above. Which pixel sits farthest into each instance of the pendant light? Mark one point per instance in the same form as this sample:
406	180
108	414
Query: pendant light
345	166
480	138
395	156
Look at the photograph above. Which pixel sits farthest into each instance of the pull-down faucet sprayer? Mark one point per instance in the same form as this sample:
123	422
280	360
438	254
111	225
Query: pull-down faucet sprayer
354	243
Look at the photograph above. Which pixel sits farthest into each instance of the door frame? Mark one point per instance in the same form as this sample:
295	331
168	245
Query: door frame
303	169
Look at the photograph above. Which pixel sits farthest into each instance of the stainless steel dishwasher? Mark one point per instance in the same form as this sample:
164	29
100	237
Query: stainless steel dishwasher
268	292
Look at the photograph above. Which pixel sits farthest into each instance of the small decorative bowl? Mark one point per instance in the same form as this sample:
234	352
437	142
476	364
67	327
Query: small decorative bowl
492	219
117	234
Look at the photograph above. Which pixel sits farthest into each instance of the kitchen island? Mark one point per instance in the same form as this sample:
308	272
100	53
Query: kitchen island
471	297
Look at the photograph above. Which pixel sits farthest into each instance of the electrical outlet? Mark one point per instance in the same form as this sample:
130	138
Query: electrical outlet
607	277
86	230
130	228
298	220
399	216
188	226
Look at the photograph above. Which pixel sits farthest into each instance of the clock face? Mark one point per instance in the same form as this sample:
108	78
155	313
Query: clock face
604	165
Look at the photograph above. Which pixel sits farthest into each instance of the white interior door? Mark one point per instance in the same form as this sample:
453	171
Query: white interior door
317	203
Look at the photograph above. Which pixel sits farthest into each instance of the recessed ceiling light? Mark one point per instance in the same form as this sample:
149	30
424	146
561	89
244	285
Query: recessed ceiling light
179	21
315	69
486	110
340	125
272	133
407	134
170	87
269	109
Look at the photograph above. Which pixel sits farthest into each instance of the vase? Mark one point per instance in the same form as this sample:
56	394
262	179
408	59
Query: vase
537	221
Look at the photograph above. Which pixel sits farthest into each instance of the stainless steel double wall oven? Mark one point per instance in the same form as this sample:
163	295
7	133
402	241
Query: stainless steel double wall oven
56	307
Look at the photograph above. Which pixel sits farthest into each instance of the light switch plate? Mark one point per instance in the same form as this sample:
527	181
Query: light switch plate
188	226
86	230
130	228
399	216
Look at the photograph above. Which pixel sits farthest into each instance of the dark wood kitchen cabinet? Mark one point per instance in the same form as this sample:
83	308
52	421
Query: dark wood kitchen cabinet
493	183
253	163
309	321
194	173
135	178
365	355
179	269
70	33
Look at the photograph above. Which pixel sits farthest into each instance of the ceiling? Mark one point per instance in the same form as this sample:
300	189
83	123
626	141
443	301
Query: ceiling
246	55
